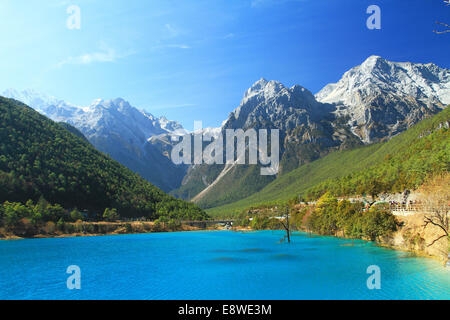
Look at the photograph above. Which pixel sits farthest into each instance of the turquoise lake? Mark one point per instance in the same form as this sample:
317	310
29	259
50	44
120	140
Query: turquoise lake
214	265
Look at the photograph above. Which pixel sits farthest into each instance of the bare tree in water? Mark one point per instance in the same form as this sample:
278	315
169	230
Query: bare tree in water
447	3
286	225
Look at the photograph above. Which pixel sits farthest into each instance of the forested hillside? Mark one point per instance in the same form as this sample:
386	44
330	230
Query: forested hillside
41	159
404	162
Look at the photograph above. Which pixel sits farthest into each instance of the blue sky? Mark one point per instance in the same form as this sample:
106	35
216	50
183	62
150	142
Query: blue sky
193	59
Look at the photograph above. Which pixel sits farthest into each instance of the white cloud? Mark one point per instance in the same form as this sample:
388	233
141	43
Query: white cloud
60	3
178	46
229	36
261	3
172	30
168	38
174	106
105	54
171	46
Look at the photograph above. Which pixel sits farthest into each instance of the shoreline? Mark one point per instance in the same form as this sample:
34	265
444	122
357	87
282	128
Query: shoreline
391	243
116	228
399	241
384	245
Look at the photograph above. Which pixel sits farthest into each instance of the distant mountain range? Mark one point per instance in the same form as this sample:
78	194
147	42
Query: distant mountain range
371	102
41	159
118	129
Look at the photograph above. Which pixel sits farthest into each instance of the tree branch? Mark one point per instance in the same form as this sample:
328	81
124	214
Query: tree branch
284	226
429	220
436	240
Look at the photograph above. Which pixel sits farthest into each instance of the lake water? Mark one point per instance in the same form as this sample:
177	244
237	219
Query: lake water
214	265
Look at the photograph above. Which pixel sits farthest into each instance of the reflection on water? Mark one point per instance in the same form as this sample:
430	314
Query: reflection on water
227	259
283	256
253	250
245	250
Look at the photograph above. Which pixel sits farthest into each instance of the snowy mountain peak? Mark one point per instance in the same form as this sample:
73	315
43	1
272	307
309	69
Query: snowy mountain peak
258	85
97	102
265	88
376	75
272	89
113	104
390	95
101	116
373	60
374	57
302	91
31	98
271	102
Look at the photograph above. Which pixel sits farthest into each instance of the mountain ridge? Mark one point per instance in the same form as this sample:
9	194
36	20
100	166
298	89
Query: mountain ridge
390	96
41	159
116	128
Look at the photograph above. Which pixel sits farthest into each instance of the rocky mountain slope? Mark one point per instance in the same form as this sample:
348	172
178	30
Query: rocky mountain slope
308	130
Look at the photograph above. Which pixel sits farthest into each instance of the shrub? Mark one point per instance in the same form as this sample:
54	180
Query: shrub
76	215
50	227
110	215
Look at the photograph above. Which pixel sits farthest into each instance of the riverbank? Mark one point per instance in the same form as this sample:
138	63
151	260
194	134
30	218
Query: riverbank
91	229
413	237
409	235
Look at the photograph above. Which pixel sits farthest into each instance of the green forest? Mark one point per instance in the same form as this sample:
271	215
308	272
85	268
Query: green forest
327	217
43	162
352	219
406	169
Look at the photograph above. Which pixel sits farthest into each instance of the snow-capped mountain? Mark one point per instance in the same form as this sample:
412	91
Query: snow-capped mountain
372	102
100	115
270	102
171	126
307	131
116	128
47	105
382	98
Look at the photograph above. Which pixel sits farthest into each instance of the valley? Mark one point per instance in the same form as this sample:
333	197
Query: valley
370	104
365	134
